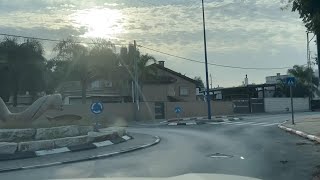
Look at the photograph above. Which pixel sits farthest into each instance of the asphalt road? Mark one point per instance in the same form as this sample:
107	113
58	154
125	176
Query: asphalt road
254	147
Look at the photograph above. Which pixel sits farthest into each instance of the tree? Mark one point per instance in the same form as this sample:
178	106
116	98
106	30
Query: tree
78	56
86	63
24	65
306	83
104	58
200	83
309	11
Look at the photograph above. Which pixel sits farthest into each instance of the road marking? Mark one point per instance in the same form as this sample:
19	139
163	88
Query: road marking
265	124
52	151
126	137
191	123
241	157
273	124
172	124
103	143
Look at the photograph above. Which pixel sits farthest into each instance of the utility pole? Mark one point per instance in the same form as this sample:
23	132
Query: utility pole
210	81
136	81
318	52
206	61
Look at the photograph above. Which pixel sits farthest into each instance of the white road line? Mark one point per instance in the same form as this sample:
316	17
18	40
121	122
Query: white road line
242	123
272	124
191	123
248	123
172	124
126	137
103	143
52	151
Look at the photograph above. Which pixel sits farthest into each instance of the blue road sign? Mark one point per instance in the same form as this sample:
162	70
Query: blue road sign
177	110
291	81
96	107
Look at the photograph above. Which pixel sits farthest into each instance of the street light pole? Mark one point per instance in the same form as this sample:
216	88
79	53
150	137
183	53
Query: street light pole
206	61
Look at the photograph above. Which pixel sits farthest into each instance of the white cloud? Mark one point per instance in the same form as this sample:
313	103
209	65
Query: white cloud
239	32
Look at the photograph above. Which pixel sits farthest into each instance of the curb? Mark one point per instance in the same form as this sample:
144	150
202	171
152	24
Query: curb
101	156
300	133
224	118
183	119
31	154
185	123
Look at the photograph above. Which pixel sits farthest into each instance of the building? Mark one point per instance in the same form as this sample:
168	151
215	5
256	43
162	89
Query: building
275	79
168	86
164	85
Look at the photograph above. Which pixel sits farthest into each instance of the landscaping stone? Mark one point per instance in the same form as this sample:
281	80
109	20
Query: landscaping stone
119	130
35	145
71	141
56	132
8	147
16	135
101	136
83	130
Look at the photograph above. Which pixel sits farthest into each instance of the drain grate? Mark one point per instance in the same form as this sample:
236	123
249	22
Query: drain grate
219	155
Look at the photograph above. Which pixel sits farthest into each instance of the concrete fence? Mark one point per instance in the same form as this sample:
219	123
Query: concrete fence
121	113
284	104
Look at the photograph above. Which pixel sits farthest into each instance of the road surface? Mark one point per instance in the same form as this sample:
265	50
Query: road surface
253	147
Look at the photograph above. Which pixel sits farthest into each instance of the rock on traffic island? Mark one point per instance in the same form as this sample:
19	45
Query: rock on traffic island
17	141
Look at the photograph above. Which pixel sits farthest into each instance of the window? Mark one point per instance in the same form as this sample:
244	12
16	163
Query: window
184	91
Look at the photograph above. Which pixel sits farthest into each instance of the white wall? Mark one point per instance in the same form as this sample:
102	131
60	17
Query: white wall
281	104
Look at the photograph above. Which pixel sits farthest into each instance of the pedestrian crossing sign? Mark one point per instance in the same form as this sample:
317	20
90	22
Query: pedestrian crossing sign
291	81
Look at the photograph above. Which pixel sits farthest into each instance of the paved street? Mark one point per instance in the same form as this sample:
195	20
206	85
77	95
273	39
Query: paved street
253	147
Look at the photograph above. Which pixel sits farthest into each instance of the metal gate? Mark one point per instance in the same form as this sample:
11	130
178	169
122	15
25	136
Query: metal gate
257	105
245	106
159	110
241	106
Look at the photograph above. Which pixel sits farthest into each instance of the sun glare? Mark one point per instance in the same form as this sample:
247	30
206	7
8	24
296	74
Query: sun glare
100	23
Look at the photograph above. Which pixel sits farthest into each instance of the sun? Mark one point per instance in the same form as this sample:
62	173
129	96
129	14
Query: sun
100	23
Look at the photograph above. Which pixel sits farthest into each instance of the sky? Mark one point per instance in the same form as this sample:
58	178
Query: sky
243	33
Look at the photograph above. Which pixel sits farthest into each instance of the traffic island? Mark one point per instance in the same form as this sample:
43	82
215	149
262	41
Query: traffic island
138	142
26	143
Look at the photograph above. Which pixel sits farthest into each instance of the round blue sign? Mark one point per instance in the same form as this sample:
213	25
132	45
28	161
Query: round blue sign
96	108
177	110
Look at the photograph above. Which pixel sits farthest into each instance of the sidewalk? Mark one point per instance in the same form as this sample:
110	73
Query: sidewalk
308	128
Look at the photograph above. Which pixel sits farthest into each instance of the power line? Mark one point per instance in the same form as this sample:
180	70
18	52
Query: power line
168	54
51	40
213	64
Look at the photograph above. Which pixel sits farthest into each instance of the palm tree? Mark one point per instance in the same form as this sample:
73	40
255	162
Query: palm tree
78	55
87	63
306	82
143	66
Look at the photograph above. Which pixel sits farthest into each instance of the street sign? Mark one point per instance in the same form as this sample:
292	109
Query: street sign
177	110
290	81
96	107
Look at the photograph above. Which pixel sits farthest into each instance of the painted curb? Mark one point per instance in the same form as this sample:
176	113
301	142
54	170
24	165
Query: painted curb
300	133
220	118
31	154
185	123
101	156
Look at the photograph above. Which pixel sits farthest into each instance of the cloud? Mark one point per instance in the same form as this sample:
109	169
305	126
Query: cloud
239	32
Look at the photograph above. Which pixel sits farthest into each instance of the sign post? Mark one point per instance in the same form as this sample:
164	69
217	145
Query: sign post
178	110
96	108
291	82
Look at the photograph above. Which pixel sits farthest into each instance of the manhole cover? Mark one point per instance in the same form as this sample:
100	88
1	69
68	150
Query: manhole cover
219	155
